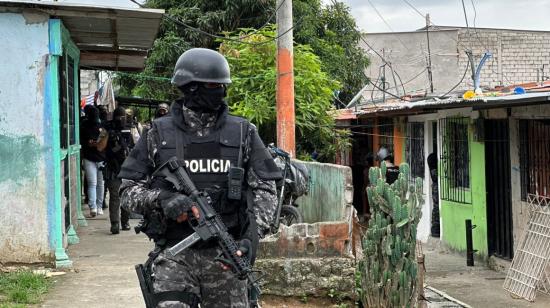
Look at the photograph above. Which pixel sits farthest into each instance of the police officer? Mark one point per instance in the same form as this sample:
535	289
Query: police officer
162	110
208	141
392	171
118	148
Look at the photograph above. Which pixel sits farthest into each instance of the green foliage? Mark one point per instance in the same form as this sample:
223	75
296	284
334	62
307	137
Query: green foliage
22	287
329	30
389	269
333	36
252	94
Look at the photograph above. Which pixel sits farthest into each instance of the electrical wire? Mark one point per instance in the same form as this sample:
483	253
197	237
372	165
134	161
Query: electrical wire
225	38
376	52
460	44
415	9
456	85
384	21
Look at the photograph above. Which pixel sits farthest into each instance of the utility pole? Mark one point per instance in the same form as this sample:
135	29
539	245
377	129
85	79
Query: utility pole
430	79
384	77
285	78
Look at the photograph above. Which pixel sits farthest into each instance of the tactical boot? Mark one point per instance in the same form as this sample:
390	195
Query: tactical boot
125	226
115	228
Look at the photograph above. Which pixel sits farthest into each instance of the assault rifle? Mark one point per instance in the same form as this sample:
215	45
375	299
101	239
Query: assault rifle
208	226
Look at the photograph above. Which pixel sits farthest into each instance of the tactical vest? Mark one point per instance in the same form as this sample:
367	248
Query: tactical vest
207	160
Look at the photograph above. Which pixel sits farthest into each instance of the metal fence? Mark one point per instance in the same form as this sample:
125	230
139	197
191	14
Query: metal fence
454	158
414	151
534	154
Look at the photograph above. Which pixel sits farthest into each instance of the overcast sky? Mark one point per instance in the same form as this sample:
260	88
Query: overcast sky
513	14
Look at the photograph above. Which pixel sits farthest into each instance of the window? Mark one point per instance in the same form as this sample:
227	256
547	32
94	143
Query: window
385	130
534	155
415	149
455	160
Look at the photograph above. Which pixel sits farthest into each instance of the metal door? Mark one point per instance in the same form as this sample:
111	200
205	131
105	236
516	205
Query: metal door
498	186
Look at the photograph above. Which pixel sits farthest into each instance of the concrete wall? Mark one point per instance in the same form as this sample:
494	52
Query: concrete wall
88	82
23	147
516	55
520	209
407	52
331	193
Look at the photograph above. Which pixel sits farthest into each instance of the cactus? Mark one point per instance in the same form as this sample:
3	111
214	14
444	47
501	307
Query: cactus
388	269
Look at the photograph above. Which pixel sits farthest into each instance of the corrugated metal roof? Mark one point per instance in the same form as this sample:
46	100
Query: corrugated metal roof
396	107
112	38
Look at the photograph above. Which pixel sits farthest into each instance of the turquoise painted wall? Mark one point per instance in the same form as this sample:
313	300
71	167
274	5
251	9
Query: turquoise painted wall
24	146
330	195
454	214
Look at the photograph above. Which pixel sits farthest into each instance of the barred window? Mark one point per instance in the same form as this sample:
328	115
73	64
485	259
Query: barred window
414	150
534	155
455	160
385	129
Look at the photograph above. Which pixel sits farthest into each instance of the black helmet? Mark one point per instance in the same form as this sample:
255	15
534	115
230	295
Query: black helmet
119	112
201	65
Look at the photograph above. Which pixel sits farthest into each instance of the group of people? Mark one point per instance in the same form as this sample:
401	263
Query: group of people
105	144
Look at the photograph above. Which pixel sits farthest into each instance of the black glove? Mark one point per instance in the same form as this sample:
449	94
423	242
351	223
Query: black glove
174	205
245	246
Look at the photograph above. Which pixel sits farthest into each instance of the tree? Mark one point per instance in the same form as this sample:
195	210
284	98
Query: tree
330	31
252	94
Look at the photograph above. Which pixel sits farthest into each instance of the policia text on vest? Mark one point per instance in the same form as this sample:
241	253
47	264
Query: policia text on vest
208	165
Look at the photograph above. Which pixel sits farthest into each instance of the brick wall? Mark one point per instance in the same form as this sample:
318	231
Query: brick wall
516	55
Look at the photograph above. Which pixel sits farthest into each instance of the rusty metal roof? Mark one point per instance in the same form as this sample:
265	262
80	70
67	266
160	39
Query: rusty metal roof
430	105
113	38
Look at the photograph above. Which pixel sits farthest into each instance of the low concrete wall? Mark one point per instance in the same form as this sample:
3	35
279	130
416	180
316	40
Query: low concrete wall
317	257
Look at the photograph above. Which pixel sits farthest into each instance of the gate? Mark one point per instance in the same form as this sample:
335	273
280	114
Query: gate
497	175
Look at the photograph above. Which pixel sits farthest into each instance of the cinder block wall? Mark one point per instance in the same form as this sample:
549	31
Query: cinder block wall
516	55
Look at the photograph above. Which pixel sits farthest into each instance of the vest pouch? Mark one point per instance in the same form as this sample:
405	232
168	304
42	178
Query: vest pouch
226	209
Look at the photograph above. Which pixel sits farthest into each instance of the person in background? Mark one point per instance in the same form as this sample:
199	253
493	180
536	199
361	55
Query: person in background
162	110
133	125
118	148
104	117
93	141
432	164
392	171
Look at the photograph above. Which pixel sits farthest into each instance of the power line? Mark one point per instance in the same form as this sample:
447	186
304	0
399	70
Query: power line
376	52
456	85
460	44
225	38
384	20
415	9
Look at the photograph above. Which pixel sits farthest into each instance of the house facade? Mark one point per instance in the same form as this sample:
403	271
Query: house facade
516	56
45	44
492	152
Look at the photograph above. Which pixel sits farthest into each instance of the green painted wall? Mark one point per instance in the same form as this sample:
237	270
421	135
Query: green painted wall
454	214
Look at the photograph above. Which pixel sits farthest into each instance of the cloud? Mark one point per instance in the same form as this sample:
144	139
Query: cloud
511	14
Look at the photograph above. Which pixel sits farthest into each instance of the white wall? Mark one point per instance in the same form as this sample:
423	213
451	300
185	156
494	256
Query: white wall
23	199
407	52
425	223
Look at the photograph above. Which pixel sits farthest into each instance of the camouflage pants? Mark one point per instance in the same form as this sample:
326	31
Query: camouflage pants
196	271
